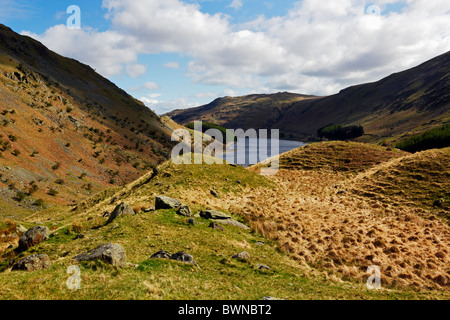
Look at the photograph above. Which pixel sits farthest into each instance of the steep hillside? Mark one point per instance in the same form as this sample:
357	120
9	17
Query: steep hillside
402	104
65	131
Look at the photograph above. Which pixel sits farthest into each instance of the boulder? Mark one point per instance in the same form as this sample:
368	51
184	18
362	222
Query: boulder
110	253
214	215
183	257
243	256
163	202
33	237
235	223
120	210
33	263
184	211
161	255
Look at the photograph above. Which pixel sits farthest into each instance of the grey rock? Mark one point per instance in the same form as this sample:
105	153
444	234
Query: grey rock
243	256
33	263
161	255
33	237
184	211
214	215
163	202
110	253
260	243
183	257
271	299
120	210
262	267
235	223
191	221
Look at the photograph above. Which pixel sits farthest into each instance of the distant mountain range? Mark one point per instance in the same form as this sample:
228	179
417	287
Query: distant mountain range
397	106
66	130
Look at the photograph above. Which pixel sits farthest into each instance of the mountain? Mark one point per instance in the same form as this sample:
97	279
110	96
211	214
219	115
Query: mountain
399	105
67	132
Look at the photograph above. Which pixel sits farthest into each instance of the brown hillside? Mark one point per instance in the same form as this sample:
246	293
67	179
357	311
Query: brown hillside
65	128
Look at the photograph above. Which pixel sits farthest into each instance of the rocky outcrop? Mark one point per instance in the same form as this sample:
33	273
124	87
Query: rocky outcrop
33	237
223	218
120	210
110	253
163	202
33	263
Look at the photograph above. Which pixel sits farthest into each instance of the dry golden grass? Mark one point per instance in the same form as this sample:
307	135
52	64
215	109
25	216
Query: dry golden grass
343	234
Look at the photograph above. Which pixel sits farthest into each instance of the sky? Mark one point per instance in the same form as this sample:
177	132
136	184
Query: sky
176	54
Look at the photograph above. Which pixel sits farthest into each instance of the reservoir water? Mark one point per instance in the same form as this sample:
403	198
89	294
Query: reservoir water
255	150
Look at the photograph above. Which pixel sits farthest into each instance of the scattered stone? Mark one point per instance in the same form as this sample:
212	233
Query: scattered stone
151	209
10	247
223	217
262	267
191	221
183	257
120	210
184	211
33	237
243	256
214	193
260	243
110	253
163	202
216	226
33	263
239	181
341	192
161	255
235	223
272	299
106	214
214	215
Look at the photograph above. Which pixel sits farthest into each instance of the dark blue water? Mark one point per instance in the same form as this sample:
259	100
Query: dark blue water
255	150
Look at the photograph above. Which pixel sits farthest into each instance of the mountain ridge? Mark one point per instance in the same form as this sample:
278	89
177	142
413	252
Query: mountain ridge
402	104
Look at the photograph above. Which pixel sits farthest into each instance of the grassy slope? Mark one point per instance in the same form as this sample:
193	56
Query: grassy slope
220	277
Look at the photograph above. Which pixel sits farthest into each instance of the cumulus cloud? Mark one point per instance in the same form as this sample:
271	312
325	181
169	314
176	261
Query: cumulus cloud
136	70
172	65
236	4
318	47
147	86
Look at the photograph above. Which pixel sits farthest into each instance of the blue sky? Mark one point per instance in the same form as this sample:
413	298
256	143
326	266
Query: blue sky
177	54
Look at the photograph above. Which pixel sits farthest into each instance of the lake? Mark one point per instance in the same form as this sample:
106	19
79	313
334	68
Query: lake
256	150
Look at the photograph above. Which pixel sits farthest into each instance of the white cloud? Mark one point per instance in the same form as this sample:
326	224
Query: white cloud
136	70
318	47
172	65
206	95
236	4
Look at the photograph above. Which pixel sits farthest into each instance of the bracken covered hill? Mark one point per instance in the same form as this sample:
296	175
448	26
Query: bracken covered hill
65	131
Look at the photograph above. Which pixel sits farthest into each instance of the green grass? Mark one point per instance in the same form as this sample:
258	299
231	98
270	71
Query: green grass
219	276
